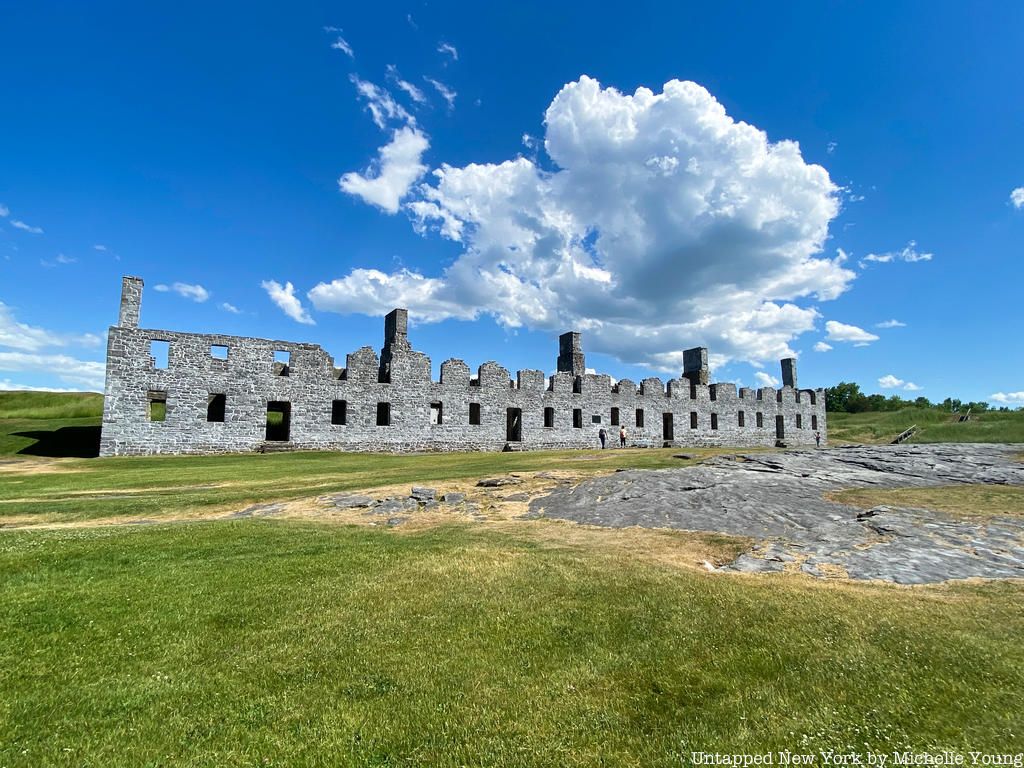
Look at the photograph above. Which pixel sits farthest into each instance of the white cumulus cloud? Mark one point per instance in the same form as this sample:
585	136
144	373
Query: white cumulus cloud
766	380
836	331
892	382
196	293
1008	398
663	224
1017	198
398	166
285	298
891	324
821	346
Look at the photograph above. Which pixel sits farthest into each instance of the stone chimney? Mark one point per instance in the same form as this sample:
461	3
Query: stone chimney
789	372
570	354
131	302
695	365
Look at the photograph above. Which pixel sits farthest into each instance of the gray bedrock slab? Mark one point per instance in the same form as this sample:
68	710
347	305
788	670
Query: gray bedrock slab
778	499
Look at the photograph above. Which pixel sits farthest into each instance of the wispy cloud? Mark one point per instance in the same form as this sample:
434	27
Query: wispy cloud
228	307
381	103
1017	198
908	253
17	224
821	346
414	93
29	338
446	93
891	324
448	49
4	211
68	369
341	44
831	146
196	293
285	298
100	248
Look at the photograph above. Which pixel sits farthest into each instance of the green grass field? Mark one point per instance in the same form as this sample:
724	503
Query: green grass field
294	642
935	427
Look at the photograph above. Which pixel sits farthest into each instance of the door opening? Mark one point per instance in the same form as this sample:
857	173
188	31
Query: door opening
667	431
780	427
279	421
514	425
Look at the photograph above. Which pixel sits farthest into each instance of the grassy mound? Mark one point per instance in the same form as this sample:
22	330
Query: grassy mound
50	405
935	426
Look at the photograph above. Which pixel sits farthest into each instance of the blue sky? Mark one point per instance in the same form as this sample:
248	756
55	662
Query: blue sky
790	178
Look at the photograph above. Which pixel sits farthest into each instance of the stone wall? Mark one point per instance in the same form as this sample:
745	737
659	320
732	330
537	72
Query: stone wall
338	408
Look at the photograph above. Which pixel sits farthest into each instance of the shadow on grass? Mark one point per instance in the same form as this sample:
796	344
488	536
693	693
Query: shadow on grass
70	442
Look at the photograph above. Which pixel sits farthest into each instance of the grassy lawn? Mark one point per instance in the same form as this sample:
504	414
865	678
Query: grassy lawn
936	427
273	643
294	642
960	500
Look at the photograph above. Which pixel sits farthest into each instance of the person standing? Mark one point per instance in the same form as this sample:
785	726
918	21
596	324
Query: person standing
817	439
622	437
604	436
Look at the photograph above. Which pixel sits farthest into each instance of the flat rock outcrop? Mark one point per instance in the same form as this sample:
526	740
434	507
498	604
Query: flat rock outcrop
779	500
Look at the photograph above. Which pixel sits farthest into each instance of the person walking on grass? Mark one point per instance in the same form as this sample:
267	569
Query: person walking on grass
817	439
622	437
604	436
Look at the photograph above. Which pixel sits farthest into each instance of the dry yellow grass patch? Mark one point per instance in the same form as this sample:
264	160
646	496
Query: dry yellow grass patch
972	501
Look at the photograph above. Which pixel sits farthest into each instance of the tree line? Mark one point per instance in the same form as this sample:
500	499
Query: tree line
846	397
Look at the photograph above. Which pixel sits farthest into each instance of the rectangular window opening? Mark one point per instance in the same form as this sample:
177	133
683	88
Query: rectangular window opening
714	421
436	413
760	421
157	405
615	417
218	352
799	421
667	431
577	418
216	405
474	414
282	362
814	422
693	419
549	417
740	419
383	414
595	419
640	418
339	412
577	385
159	352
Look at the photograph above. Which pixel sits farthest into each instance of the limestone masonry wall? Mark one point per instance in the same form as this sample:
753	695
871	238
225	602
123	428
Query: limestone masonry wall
215	392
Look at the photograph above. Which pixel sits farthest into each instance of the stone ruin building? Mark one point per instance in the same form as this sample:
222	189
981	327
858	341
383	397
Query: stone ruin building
209	393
